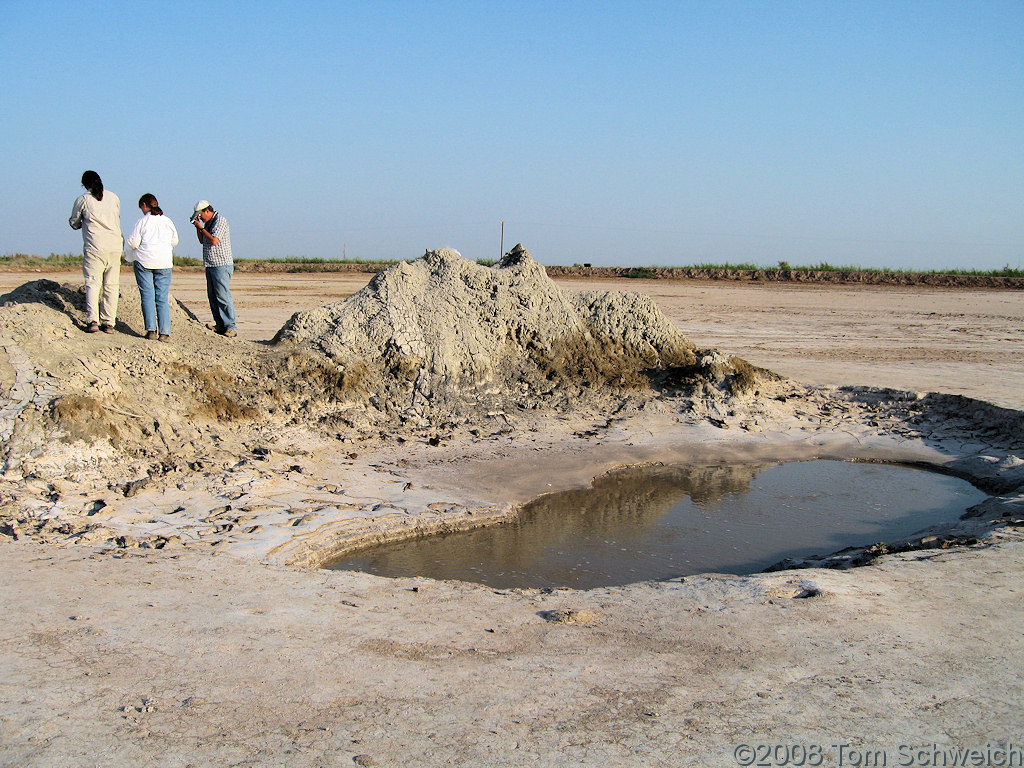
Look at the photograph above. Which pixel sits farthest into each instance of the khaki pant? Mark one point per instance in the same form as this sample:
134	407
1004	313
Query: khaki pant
102	273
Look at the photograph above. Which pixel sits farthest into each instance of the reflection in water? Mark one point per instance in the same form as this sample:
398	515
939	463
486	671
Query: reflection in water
661	522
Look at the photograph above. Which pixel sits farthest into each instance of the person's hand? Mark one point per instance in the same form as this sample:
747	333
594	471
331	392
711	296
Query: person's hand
197	223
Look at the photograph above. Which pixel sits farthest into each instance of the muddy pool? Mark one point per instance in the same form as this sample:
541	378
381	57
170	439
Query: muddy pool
663	522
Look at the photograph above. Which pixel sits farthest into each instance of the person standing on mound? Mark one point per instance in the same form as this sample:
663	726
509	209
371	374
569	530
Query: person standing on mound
215	235
152	255
98	215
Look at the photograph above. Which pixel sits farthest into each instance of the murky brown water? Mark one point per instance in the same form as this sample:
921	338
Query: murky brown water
663	522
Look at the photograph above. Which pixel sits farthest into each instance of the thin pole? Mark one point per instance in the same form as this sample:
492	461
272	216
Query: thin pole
501	247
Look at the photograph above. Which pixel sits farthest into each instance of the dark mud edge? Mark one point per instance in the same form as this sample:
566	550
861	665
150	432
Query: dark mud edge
973	529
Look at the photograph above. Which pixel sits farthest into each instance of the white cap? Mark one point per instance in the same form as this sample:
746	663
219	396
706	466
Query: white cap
202	205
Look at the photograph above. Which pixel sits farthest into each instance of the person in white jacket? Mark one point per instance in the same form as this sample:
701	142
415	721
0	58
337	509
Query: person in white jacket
151	246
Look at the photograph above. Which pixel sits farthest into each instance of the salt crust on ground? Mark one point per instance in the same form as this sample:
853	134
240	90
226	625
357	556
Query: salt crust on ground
442	396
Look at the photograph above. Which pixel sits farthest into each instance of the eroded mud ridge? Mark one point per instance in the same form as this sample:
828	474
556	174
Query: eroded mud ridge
443	339
206	441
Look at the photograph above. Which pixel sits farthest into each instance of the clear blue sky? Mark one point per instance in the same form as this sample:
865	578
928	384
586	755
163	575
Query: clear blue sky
881	133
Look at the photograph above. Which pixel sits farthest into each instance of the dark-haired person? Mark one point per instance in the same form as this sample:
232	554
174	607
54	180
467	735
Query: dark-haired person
98	214
215	235
152	245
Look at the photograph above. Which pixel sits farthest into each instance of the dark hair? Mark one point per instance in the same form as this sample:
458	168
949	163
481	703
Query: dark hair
150	200
92	182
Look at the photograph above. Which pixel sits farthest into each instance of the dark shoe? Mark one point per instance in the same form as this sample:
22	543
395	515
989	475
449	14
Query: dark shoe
165	337
107	328
152	335
230	333
92	327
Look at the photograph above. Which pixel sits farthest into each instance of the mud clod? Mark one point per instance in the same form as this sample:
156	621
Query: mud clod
84	418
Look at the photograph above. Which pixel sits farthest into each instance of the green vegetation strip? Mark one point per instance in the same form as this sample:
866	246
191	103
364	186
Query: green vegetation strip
58	261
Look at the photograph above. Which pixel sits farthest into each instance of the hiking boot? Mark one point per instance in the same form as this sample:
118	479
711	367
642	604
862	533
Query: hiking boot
165	337
215	328
107	328
92	327
230	333
152	335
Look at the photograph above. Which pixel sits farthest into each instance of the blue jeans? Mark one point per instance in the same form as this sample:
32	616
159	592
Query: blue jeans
154	288
222	307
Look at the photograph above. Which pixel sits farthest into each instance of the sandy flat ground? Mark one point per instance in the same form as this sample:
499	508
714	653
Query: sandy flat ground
175	657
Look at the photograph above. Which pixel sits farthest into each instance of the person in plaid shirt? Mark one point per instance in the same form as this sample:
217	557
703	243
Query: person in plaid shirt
215	235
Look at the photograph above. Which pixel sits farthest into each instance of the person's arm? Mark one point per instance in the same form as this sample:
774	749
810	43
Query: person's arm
203	232
174	233
76	213
135	238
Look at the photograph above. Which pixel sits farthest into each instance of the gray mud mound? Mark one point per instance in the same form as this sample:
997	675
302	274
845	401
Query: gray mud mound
73	400
69	300
443	334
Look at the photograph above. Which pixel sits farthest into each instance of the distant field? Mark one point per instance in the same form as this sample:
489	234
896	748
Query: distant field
1006	277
